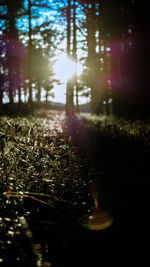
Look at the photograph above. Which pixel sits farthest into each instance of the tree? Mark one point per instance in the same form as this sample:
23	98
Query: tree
9	14
92	60
74	54
2	68
69	88
29	52
125	25
36	39
68	12
91	73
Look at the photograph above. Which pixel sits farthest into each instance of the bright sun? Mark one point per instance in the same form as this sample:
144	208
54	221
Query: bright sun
65	68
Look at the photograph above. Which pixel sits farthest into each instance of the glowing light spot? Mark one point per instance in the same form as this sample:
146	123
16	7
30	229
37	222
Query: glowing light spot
101	60
102	48
129	30
108	49
99	220
97	49
65	68
110	100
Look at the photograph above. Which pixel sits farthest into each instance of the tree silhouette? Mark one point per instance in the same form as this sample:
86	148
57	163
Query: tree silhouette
9	15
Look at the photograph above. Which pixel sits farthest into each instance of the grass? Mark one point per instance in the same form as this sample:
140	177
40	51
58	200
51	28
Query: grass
38	168
33	152
48	164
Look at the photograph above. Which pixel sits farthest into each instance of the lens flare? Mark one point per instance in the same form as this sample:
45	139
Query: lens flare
98	219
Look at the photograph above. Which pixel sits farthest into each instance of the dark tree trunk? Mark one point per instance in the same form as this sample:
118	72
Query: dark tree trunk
1	95
10	65
11	34
69	88
75	54
46	97
92	56
68	27
18	80
29	53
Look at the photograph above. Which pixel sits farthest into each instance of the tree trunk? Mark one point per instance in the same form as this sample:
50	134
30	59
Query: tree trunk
69	87
77	98
10	51
46	97
1	95
18	80
92	56
75	54
68	27
19	93
29	53
38	93
10	71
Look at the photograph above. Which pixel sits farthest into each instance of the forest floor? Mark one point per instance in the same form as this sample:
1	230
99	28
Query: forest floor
51	168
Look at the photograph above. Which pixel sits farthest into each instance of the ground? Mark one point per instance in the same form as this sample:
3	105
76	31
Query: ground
52	168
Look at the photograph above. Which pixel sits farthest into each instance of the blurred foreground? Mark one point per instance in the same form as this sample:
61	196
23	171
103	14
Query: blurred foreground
52	168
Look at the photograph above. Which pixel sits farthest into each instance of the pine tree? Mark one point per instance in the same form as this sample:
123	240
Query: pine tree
69	88
33	11
9	14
